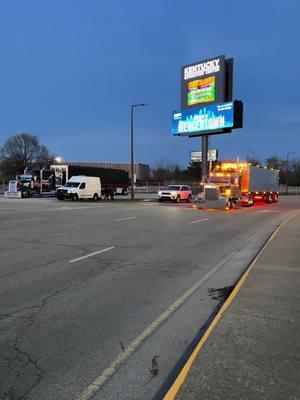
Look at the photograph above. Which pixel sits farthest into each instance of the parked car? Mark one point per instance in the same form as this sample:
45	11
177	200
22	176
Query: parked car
139	188
175	193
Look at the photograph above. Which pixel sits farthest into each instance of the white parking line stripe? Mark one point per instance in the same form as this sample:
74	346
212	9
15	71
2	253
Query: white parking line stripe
267	211
74	208
199	220
91	254
125	219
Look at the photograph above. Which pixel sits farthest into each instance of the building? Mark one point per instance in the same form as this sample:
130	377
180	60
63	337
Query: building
142	171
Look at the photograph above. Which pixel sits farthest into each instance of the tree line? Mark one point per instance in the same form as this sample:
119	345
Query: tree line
24	152
167	171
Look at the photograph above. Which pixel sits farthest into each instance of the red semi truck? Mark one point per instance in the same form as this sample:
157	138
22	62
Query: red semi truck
30	182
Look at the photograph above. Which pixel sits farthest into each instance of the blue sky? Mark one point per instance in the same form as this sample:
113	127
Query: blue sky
70	69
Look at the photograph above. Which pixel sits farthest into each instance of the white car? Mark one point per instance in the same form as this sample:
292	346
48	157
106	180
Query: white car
176	193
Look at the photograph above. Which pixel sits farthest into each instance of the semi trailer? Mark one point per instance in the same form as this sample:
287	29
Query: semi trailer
233	184
114	181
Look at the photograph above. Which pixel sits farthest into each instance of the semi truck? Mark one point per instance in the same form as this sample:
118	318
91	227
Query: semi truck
233	184
113	181
33	182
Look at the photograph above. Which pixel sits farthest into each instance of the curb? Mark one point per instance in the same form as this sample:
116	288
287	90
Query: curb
175	387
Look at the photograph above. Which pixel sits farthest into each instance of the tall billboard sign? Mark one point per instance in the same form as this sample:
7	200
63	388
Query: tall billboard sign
207	106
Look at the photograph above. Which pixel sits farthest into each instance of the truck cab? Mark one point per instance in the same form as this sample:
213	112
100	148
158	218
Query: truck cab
36	181
80	187
213	197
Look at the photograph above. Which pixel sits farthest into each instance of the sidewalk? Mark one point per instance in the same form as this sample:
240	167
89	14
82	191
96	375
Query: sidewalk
254	351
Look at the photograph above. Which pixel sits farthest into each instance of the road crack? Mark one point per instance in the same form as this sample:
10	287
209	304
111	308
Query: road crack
21	370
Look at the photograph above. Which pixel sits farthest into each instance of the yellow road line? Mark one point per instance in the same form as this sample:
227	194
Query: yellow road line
185	370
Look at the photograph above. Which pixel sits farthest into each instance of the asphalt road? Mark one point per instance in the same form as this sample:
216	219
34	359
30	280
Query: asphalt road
113	293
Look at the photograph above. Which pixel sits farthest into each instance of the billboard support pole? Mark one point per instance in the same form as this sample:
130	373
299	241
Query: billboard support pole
204	171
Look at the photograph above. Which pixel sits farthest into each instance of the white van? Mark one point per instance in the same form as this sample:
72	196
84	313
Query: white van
80	187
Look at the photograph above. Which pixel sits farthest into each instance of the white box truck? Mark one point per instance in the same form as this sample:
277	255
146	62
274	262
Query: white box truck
80	187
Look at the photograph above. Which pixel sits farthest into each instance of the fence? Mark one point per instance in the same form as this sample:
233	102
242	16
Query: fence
3	185
154	187
290	190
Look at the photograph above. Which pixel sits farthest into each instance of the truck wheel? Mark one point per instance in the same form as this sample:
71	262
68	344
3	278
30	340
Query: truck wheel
95	197
75	197
160	200
229	204
178	199
189	199
25	194
60	198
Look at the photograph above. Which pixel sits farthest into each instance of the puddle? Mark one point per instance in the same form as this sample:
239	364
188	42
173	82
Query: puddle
220	294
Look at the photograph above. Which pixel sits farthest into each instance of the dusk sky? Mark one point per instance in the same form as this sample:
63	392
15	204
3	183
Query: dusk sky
71	69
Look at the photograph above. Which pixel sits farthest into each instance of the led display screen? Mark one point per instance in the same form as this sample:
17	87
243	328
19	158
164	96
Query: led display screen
201	91
203	82
203	119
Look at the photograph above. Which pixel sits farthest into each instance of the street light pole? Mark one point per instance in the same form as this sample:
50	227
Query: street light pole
287	171
252	152
132	146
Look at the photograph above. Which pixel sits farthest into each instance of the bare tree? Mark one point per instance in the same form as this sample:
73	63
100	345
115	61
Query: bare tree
253	161
165	171
21	152
274	162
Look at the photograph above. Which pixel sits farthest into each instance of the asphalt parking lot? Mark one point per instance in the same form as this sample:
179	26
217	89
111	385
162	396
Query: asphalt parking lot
113	293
